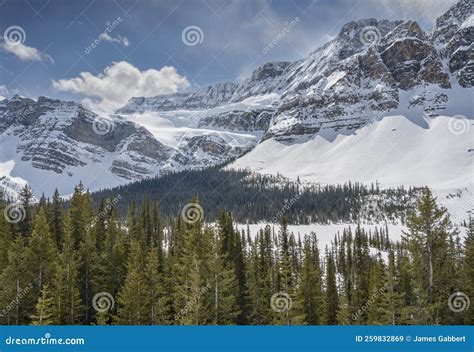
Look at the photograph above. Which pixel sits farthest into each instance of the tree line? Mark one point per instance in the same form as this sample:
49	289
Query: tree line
84	266
254	197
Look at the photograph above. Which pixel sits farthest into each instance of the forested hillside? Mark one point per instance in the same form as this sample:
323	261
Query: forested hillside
83	266
253	197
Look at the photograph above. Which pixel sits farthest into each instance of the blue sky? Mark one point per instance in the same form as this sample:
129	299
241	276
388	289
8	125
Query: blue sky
145	50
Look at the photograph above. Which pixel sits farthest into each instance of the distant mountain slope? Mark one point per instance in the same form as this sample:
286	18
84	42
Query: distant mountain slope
392	151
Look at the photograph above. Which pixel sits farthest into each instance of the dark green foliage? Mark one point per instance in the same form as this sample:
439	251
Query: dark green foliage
150	269
253	197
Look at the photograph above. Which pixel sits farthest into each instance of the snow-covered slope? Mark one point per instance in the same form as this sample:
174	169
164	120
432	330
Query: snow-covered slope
437	152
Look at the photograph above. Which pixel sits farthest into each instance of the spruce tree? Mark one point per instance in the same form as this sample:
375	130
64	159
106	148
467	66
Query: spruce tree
56	221
233	251
65	290
377	290
427	238
223	287
44	309
331	294
157	301
41	257
25	200
361	269
17	298
468	272
6	238
113	257
134	292
310	292
393	299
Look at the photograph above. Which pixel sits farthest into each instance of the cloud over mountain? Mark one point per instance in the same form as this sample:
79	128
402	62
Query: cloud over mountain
119	82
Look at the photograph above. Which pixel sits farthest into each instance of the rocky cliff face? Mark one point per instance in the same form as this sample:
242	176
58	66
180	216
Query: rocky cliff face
454	36
59	136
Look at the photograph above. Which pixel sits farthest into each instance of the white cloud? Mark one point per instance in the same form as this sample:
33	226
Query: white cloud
119	39
24	52
119	82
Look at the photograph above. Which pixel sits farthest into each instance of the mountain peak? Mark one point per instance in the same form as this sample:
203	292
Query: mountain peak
457	14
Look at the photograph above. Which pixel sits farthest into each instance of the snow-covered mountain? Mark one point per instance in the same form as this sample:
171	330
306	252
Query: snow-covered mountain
371	69
56	144
384	100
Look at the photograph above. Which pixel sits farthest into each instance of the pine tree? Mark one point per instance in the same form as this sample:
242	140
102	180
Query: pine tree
310	291
25	200
88	272
286	277
361	269
98	225
427	239
80	213
67	300
468	272
331	294
377	290
44	309
233	252
133	294
393	299
6	237
41	257
191	274
56	219
157	301
16	296
260	279
223	287
113	258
